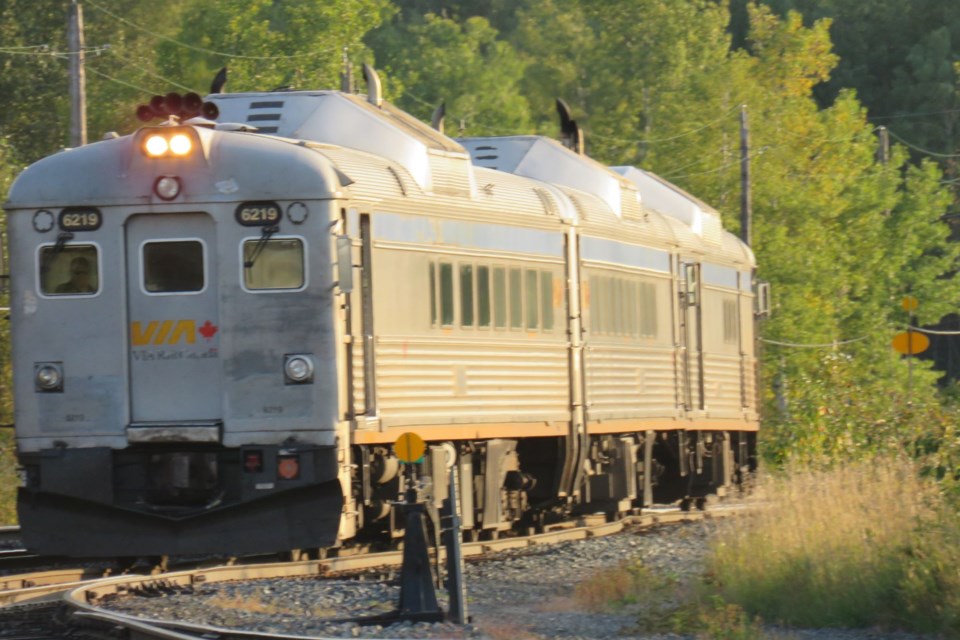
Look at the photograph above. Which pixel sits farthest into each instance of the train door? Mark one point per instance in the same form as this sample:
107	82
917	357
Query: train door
172	304
691	336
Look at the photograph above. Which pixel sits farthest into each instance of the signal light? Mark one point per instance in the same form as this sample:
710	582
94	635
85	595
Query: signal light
184	107
167	187
253	461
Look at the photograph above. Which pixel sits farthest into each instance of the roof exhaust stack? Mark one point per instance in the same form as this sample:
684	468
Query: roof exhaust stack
374	92
218	81
571	136
438	116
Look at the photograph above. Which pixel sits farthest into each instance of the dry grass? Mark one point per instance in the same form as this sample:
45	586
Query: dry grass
8	478
859	545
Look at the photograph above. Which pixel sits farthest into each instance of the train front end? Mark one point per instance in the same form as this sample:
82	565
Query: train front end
173	345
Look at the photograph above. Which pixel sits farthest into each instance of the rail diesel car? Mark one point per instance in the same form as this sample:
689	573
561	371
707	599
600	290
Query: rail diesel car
221	326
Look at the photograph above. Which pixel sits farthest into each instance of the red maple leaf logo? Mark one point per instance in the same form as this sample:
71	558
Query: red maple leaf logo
207	330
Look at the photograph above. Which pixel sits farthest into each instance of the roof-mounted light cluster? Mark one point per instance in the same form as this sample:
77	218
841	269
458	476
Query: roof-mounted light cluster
183	107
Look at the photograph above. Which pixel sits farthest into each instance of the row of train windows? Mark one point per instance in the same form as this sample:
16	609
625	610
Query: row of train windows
500	297
173	266
623	307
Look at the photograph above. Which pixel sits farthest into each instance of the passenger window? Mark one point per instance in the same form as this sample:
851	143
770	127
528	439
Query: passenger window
446	293
483	296
173	266
532	299
433	294
546	299
499	297
70	271
279	264
516	299
648	310
466	295
731	330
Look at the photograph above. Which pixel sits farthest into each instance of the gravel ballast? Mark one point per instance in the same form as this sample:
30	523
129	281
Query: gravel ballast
520	594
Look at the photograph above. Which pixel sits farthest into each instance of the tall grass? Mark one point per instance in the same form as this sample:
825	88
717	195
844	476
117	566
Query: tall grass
864	544
8	479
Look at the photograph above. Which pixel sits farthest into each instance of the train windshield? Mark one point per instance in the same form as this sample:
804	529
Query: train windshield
69	271
173	266
279	264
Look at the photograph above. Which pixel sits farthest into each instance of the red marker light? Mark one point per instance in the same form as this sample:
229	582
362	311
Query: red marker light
253	461
288	467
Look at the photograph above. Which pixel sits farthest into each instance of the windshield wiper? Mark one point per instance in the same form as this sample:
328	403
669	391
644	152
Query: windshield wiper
265	235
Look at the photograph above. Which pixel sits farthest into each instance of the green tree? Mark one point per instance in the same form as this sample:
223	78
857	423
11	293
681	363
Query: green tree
268	44
436	59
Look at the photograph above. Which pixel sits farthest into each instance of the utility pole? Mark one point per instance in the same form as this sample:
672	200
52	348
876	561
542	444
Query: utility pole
746	211
78	84
883	145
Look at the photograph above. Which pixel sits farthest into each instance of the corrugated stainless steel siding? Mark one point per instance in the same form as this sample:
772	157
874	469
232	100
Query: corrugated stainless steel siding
627	382
722	386
437	381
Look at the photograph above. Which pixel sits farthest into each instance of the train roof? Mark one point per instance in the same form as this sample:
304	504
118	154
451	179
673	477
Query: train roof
436	162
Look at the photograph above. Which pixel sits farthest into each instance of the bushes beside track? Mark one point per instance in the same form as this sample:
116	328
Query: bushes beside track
871	543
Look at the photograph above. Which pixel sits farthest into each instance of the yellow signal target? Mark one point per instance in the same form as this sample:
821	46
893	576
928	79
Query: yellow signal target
910	342
409	447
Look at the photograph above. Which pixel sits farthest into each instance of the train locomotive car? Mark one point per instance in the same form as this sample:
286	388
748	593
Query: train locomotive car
221	327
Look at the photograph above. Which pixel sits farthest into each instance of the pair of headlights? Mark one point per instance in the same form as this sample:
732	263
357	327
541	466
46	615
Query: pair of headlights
297	369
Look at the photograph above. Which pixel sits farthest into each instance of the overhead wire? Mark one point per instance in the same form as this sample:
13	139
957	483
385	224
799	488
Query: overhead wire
151	73
119	81
822	345
204	50
921	149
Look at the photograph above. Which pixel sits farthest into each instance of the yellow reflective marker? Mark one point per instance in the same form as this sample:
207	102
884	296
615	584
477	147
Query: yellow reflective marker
910	342
909	303
409	447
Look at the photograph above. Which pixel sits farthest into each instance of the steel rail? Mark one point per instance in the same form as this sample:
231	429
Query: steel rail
84	599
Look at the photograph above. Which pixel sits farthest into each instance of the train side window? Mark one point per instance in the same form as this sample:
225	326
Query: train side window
279	264
648	310
532	299
731	330
466	295
71	271
483	296
546	299
446	293
173	266
499	297
516	299
433	294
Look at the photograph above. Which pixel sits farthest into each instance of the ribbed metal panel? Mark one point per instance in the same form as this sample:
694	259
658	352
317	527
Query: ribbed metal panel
722	386
359	398
628	382
422	381
451	176
371	175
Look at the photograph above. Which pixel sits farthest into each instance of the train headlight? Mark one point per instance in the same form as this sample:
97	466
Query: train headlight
298	369
156	146
180	144
48	376
167	187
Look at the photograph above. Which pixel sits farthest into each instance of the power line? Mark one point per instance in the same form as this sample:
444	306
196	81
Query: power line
922	150
119	81
822	345
151	73
758	152
674	137
202	49
921	114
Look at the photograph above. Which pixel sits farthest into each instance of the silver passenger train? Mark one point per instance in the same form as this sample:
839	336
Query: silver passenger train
221	328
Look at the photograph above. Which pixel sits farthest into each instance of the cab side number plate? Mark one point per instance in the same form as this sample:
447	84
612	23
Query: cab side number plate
258	214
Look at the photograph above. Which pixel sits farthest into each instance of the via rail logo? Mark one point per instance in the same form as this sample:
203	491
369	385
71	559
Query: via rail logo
166	333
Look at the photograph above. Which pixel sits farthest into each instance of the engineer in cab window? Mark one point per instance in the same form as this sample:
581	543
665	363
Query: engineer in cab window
79	281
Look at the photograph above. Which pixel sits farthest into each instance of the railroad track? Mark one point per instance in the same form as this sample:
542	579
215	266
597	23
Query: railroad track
83	594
